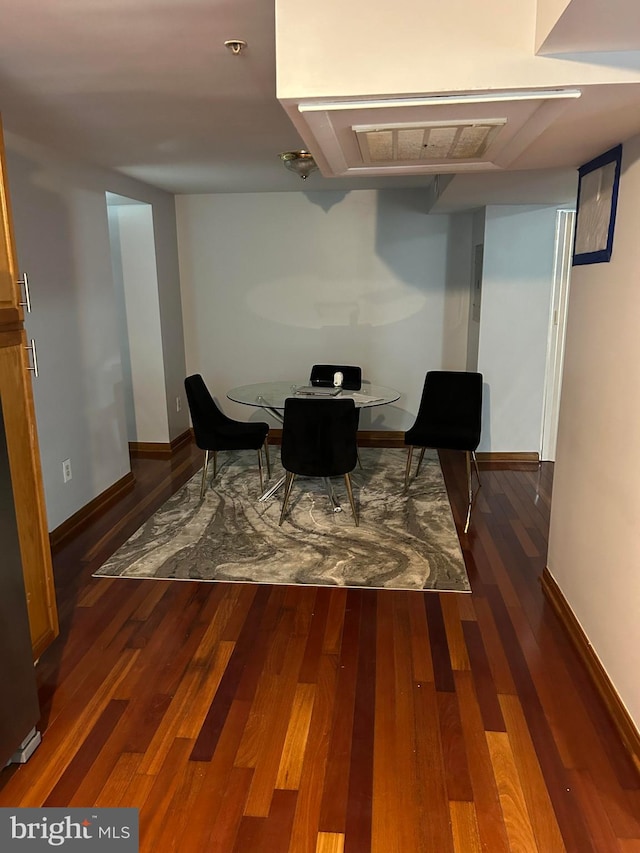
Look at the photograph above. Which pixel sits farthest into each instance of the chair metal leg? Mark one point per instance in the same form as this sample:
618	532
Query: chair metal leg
422	450
215	463
467	457
407	471
285	498
335	503
475	462
266	453
260	470
204	473
347	480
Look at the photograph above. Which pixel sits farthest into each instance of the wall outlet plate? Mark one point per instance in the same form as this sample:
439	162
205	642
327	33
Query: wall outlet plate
66	470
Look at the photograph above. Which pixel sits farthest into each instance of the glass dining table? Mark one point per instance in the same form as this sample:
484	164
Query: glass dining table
271	396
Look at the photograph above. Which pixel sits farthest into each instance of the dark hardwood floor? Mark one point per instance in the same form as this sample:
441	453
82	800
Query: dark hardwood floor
259	719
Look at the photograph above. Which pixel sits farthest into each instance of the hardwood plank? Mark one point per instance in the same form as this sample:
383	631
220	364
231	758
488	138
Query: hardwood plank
458	653
115	786
161	793
271	833
483	680
157	693
440	657
222	837
208	801
317	636
456	768
84	758
512	800
336	779
539	807
360	793
420	644
295	742
270	728
206	743
306	822
489	815
431	781
464	826
386	830
585	789
330	843
498	663
335	620
571	825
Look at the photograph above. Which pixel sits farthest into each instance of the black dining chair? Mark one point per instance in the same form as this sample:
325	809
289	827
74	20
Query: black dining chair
319	440
215	431
322	374
449	418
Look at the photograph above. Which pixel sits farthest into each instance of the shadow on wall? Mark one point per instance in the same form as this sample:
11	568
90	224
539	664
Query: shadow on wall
61	236
325	200
408	238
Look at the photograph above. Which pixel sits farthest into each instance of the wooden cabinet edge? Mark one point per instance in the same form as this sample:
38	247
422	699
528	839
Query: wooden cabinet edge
10	294
26	472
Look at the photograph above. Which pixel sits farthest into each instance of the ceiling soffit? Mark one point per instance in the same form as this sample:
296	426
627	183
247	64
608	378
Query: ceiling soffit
476	131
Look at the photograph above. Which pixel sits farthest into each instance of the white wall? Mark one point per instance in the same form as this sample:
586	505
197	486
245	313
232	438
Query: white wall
60	219
457	306
514	321
273	282
594	549
477	252
348	49
134	267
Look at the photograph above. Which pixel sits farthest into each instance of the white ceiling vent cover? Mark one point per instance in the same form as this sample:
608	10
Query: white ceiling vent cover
426	142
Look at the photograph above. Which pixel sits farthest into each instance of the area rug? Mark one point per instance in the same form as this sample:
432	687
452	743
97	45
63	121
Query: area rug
404	541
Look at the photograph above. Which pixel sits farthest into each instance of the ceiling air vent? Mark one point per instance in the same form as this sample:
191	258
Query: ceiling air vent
426	142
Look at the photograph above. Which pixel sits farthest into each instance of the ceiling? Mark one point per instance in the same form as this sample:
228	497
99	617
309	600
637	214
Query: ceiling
148	87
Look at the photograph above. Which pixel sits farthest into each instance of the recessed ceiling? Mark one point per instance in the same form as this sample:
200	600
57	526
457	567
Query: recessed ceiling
426	143
427	135
149	89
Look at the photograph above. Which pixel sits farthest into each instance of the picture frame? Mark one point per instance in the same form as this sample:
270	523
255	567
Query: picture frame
598	182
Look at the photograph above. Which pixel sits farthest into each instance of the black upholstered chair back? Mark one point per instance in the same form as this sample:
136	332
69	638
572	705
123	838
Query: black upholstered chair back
319	437
449	418
214	431
322	374
206	417
450	413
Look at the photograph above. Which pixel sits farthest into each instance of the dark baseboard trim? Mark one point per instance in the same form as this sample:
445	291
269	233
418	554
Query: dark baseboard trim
508	457
158	449
78	521
366	438
380	438
392	438
619	714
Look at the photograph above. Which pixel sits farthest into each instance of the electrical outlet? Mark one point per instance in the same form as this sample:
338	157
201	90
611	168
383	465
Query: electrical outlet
178	404
66	470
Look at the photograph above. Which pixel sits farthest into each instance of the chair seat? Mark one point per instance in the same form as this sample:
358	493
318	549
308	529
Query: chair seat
445	437
214	431
239	436
319	439
449	418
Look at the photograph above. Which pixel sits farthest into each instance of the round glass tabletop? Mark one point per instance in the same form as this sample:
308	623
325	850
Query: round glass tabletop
271	395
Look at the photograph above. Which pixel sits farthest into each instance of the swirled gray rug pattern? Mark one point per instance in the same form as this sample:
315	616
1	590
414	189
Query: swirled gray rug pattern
404	541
